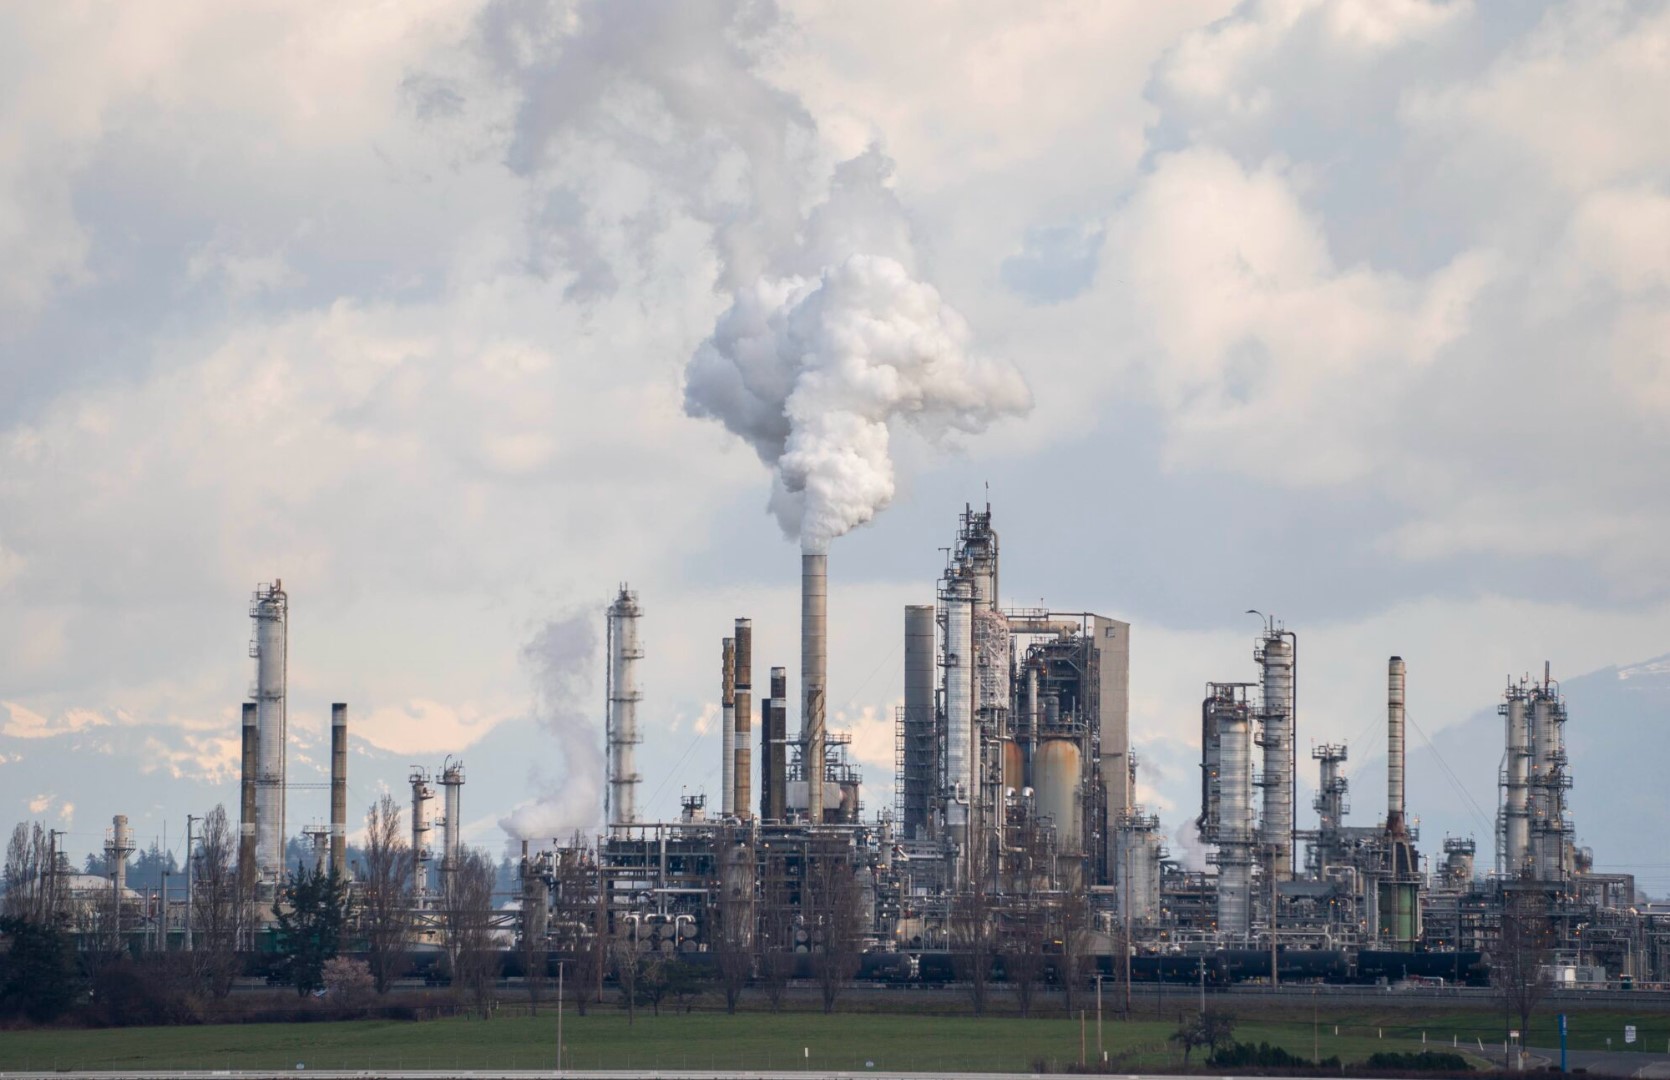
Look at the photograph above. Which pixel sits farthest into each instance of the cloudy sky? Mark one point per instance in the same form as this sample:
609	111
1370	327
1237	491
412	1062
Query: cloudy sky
1353	311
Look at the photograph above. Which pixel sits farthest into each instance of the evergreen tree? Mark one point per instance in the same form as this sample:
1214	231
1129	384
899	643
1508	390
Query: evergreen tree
312	912
37	978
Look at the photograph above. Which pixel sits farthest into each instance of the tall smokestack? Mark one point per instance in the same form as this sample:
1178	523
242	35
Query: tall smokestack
743	769
814	660
727	738
1395	678
773	751
270	611
247	806
621	796
339	789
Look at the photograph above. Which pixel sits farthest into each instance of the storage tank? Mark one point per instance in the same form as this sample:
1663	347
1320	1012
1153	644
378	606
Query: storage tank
1056	773
1014	765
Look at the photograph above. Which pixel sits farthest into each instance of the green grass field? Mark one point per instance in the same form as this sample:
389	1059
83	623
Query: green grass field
752	1040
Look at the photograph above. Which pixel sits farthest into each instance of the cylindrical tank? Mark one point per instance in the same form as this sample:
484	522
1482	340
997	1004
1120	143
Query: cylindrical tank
339	789
1014	765
814	673
727	728
1277	740
1056	775
742	771
921	757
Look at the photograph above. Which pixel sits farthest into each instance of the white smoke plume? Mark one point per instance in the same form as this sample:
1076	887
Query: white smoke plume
815	370
561	658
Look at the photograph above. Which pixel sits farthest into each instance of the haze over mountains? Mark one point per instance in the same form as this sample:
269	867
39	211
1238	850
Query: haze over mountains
1618	717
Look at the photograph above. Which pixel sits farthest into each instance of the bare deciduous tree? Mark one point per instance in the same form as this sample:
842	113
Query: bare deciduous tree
831	897
1073	927
733	941
221	906
467	918
386	892
32	882
1521	954
972	928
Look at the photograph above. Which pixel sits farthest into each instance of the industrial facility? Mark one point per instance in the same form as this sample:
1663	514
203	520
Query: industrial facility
1013	841
1014	827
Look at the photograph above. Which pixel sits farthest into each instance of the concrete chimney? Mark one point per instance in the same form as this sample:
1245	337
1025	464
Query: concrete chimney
773	748
339	789
727	738
743	768
246	807
814	661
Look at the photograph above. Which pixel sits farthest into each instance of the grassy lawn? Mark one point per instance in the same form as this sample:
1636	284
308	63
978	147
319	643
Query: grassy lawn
701	1040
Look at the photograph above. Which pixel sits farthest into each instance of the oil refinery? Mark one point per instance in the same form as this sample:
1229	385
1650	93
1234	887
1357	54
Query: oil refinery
1013	831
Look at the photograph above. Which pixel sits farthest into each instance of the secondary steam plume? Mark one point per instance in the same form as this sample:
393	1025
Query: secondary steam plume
814	372
560	658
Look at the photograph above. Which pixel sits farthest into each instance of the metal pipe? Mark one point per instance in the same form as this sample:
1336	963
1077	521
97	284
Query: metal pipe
814	660
339	789
727	728
1395	677
743	768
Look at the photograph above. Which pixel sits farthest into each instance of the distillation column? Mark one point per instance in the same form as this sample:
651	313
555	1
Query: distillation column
422	795
1516	808
921	758
452	828
959	708
270	611
621	797
1275	654
1235	840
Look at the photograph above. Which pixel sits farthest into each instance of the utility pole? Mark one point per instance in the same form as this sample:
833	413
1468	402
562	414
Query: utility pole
1202	962
559	1016
190	820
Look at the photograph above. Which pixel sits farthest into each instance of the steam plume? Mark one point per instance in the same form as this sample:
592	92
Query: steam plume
814	372
560	658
